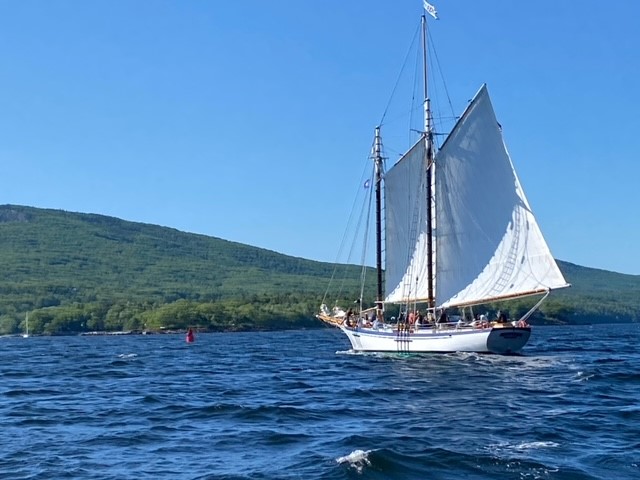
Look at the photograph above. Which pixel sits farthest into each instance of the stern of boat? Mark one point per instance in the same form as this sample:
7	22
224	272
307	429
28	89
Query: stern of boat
508	340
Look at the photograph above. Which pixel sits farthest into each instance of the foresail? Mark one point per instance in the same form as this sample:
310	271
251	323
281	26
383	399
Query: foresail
405	227
488	243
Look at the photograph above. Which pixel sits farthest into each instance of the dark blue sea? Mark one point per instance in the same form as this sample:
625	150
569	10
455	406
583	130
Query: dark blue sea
299	405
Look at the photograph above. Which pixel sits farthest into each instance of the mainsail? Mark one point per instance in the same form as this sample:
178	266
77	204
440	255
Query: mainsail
487	242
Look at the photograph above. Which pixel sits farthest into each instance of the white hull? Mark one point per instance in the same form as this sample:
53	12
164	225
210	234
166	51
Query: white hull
504	340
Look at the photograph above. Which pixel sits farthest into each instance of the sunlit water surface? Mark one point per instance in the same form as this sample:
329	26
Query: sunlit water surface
299	404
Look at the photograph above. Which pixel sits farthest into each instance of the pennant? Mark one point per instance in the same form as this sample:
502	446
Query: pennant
431	10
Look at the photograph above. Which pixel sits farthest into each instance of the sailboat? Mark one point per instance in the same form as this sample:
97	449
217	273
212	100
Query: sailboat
459	233
26	326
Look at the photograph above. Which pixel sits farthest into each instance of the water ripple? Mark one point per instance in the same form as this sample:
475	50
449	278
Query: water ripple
301	405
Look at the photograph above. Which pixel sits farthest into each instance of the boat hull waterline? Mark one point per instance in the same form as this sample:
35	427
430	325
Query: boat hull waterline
503	340
491	340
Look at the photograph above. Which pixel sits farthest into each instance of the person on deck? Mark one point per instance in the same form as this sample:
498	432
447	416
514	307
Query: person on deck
349	316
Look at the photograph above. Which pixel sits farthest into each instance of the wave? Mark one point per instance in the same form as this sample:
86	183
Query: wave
358	460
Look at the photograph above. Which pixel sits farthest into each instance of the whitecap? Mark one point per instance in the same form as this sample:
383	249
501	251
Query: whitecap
503	448
128	355
358	459
583	377
532	445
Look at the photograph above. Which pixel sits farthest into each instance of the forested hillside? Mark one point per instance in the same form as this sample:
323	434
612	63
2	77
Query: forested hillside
82	272
76	272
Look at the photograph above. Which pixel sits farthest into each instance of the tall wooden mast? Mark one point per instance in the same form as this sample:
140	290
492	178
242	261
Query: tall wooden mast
428	138
377	158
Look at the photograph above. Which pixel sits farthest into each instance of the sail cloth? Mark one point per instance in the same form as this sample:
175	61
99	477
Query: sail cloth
487	242
406	262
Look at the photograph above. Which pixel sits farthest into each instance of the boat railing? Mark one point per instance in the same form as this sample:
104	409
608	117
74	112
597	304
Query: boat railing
417	327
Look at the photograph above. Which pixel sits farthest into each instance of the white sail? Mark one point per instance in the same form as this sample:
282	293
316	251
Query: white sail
406	264
488	243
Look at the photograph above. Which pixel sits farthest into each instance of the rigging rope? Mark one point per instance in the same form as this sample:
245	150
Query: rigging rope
395	87
346	237
437	67
363	274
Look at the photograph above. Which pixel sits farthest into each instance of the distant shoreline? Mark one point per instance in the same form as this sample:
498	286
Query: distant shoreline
199	331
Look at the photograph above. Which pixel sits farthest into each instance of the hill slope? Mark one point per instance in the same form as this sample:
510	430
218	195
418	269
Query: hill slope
105	255
78	272
598	295
52	258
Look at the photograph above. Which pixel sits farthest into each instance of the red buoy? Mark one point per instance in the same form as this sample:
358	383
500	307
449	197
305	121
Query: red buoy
190	336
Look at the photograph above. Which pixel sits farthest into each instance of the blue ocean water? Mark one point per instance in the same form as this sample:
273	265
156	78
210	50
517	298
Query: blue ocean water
289	405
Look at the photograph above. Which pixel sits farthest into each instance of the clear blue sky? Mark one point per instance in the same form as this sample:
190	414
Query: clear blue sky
249	120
